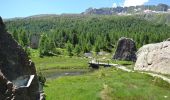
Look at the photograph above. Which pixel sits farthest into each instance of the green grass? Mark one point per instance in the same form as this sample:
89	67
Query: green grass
122	62
66	62
108	84
103	84
60	62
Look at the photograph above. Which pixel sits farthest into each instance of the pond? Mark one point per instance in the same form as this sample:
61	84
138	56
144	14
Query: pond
55	73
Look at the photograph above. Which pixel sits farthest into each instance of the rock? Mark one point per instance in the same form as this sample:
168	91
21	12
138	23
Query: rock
4	88
34	41
101	11
154	57
88	55
126	50
168	39
102	53
14	63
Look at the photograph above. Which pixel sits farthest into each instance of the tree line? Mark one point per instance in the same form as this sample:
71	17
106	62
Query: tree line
84	33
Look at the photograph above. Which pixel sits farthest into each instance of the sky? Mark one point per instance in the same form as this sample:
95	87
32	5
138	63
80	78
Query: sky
24	8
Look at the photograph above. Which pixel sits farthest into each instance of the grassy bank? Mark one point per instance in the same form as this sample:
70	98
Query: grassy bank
108	84
60	62
103	84
74	62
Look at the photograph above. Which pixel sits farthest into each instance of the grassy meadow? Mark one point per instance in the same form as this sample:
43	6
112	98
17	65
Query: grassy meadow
58	62
108	84
103	84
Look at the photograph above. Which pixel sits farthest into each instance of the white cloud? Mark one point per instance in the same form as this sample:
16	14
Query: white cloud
114	5
128	3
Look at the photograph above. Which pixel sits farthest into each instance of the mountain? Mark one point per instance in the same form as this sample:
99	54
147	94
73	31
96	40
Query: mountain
163	18
159	14
128	10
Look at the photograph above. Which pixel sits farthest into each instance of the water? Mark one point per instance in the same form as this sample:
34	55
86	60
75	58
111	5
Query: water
56	73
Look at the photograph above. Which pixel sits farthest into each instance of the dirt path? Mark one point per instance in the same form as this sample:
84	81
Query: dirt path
123	68
160	76
151	74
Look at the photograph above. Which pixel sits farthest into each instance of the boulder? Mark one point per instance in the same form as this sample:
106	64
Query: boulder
88	55
15	63
34	41
126	49
154	57
6	89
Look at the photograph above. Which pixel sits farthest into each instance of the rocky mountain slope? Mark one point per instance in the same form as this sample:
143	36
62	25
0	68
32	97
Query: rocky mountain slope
18	79
163	18
128	10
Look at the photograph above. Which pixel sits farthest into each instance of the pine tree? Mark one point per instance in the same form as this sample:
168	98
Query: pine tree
24	38
42	44
15	35
69	48
77	50
97	48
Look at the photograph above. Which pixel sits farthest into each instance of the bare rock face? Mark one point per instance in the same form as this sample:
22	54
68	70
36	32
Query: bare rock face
126	50
154	57
14	63
34	41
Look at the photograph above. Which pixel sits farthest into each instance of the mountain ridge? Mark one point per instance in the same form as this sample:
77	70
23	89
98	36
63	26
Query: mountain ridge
128	10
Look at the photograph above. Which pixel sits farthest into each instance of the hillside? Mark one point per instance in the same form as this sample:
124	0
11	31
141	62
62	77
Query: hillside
88	32
55	51
156	18
128	10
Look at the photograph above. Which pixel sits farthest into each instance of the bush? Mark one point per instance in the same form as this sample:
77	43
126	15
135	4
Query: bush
41	78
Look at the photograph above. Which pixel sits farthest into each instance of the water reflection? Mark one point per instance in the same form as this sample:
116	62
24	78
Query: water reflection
55	73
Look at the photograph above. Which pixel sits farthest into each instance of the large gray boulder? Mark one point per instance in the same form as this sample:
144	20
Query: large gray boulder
15	65
126	50
154	57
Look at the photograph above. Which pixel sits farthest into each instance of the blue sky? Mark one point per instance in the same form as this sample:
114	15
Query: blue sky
23	8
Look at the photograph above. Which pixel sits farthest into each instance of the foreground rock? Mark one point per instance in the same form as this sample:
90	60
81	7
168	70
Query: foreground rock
126	50
154	57
18	79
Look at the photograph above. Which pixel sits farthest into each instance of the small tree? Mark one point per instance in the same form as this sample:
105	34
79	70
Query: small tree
97	48
43	44
15	35
51	45
69	48
74	39
27	50
41	78
77	50
47	48
24	38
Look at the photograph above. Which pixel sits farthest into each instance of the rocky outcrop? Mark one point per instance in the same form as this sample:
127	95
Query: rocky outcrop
154	57
126	50
34	41
6	88
14	63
